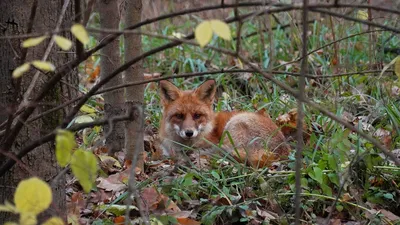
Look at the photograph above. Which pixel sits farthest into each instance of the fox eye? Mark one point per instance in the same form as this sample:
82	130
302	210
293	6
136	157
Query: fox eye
179	116
196	116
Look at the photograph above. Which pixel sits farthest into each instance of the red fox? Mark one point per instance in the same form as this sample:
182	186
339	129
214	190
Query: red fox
188	118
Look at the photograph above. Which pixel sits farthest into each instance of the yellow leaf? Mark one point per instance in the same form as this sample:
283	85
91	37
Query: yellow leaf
27	218
80	33
43	65
84	167
11	223
394	61
62	42
8	207
54	221
20	70
30	42
65	142
362	14
108	160
72	219
397	67
32	196
221	29
203	33
83	119
87	109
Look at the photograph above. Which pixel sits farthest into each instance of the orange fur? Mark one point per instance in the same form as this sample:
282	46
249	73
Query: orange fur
188	118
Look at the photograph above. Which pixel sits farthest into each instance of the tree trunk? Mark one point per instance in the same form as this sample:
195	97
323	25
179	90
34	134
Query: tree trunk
110	60
134	95
41	162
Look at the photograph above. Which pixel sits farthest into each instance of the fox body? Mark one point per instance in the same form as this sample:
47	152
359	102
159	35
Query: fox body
188	119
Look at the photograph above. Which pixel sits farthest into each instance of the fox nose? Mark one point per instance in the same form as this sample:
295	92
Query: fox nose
189	133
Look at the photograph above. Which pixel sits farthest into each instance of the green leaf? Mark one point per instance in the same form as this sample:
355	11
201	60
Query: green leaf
80	33
65	142
221	29
304	182
339	207
63	42
326	189
32	196
20	70
188	179
318	175
333	177
43	65
30	42
84	167
388	196
215	175
203	33
332	162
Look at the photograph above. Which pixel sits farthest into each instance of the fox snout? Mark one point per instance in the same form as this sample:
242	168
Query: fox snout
188	133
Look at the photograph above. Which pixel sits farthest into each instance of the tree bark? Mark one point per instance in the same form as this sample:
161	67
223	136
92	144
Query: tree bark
134	95
110	60
41	162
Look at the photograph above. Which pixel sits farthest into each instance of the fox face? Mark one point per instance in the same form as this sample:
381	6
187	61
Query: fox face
187	115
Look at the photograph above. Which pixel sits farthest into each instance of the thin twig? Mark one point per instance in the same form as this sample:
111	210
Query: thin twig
132	190
50	136
238	30
300	115
213	72
32	84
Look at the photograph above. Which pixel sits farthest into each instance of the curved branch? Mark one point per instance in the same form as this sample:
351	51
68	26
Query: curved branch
50	136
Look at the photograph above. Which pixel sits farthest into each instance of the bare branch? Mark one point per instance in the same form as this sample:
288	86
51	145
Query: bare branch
300	115
50	136
32	84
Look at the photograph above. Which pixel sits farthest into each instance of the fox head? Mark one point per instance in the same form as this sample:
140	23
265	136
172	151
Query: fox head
187	115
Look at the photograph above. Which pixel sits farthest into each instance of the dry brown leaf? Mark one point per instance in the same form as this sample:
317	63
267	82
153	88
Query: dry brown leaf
187	221
390	216
150	198
119	220
170	206
288	124
113	182
347	197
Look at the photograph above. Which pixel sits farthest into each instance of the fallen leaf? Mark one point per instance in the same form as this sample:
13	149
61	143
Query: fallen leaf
187	221
150	197
111	183
170	206
119	220
390	216
109	163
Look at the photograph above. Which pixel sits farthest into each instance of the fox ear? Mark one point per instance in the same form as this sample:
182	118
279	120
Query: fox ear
168	91
206	91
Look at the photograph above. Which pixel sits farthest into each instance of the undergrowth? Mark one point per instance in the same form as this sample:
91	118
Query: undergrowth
337	162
